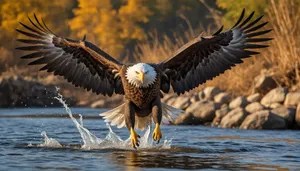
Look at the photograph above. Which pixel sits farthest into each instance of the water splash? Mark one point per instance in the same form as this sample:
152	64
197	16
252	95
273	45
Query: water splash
49	142
112	140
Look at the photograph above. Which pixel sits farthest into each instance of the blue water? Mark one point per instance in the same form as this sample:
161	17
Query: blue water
192	147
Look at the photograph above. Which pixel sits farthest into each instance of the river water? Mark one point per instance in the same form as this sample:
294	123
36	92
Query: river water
48	139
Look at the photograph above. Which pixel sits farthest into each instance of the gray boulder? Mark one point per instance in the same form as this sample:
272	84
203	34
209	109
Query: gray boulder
263	120
276	95
167	97
210	92
254	107
98	104
181	102
222	97
194	98
171	101
234	118
240	101
254	98
220	113
263	84
275	105
184	119
201	95
83	103
287	113
292	99
202	111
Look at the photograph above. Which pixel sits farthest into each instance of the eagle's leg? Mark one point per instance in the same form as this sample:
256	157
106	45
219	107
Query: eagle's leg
157	116
129	120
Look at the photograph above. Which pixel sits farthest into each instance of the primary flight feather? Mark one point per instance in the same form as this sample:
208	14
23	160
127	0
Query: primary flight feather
85	65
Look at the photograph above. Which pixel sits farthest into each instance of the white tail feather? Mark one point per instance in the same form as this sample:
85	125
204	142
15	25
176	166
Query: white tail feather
116	117
169	113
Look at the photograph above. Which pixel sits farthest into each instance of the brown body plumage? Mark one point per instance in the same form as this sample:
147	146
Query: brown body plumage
141	97
85	65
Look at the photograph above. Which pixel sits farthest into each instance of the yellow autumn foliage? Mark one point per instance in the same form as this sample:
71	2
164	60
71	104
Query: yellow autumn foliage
109	28
97	20
54	12
130	14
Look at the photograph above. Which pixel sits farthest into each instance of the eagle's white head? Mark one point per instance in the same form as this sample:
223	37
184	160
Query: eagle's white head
141	75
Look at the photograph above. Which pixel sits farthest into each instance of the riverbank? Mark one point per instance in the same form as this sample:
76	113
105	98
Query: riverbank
17	90
269	106
277	109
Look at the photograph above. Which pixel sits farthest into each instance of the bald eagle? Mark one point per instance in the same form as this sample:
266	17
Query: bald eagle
85	65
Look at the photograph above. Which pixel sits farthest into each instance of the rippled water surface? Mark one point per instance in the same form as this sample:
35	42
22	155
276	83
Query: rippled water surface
22	147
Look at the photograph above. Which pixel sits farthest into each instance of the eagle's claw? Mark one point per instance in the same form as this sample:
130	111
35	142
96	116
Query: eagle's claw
134	138
157	133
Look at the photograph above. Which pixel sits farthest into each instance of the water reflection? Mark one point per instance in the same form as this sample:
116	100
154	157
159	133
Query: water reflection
135	160
175	157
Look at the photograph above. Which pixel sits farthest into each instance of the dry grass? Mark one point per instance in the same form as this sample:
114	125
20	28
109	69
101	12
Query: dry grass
158	49
6	59
282	58
284	54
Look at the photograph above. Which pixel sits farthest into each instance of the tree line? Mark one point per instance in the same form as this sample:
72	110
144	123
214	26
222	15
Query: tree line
115	25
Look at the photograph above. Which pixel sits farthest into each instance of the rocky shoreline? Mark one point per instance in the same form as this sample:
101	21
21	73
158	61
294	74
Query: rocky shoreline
268	107
18	92
278	109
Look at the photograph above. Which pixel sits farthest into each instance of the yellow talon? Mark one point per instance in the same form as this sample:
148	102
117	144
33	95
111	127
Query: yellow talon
157	133
134	138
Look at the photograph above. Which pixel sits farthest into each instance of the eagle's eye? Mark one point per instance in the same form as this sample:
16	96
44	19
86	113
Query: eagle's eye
136	72
146	72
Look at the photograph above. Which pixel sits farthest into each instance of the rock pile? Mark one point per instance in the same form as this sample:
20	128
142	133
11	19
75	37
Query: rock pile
17	92
277	109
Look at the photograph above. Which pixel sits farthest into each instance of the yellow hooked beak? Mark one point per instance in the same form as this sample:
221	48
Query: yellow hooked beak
140	75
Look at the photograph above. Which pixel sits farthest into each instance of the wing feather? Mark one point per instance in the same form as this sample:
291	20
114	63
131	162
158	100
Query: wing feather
79	62
203	59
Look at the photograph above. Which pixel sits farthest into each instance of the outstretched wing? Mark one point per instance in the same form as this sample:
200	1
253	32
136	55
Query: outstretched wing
205	58
80	62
